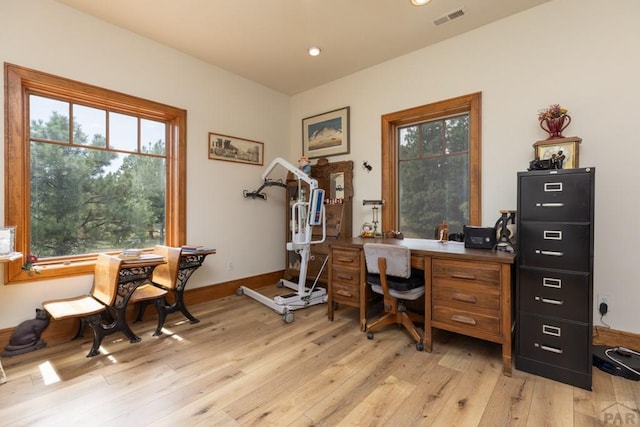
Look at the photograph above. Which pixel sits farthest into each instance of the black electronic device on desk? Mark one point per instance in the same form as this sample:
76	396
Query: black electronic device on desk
479	237
618	361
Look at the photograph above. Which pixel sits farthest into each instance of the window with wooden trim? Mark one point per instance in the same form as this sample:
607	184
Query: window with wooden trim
88	170
431	167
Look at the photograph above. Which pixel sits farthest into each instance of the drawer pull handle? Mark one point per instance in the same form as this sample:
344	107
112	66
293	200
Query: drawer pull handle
346	260
463	276
551	330
345	276
551	283
549	253
551	349
465	298
552	235
552	186
463	319
550	205
344	293
550	301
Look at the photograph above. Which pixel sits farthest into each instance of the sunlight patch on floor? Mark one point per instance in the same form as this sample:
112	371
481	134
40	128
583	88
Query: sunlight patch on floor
49	374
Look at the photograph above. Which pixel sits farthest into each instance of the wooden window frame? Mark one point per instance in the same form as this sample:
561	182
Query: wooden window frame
391	122
20	83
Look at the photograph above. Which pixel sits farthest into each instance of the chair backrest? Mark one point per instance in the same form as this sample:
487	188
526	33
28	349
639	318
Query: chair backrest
166	275
398	259
105	282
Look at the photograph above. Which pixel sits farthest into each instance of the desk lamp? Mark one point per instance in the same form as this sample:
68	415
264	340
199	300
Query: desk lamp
375	205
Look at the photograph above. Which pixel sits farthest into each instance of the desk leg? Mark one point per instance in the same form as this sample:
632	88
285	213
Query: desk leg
505	279
428	330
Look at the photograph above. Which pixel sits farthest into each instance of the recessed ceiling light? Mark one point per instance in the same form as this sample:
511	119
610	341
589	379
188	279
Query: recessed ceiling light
314	51
419	2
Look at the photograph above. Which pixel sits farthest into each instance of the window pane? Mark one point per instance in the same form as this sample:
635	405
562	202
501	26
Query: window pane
152	136
51	112
123	132
93	123
85	200
434	180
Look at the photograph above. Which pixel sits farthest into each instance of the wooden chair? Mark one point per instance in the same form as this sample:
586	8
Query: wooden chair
163	278
389	273
92	308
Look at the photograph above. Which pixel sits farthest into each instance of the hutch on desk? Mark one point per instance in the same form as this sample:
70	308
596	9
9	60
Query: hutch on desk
467	291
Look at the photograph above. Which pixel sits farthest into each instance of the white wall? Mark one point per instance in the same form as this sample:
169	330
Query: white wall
53	38
582	54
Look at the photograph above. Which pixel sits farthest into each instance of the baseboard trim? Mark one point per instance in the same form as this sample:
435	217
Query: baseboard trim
615	338
65	329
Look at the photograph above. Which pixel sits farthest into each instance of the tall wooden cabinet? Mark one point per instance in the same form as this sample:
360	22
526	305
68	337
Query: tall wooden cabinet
336	179
554	288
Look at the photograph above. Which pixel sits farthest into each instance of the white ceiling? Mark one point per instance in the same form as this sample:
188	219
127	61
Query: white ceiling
266	40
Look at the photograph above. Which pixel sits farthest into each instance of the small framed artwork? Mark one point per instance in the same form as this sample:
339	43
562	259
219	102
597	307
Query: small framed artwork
563	152
234	149
326	134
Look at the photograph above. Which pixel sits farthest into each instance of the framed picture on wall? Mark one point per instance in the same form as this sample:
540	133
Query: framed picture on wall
326	134
234	149
564	151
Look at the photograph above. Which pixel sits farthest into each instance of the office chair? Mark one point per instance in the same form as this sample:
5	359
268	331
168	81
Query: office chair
389	273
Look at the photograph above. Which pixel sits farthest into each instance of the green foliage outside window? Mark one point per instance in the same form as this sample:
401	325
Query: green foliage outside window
433	176
88	199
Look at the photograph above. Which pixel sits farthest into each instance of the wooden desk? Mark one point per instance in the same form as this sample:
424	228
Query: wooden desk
467	291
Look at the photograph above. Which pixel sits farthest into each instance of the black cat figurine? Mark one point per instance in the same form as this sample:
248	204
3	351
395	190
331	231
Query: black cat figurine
26	336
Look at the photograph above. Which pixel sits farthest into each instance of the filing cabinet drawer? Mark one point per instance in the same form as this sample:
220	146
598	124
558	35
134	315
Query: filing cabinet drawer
465	321
345	257
555	293
555	341
553	197
465	298
555	245
456	273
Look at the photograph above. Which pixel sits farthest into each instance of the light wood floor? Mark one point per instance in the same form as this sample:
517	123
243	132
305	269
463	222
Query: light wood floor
241	365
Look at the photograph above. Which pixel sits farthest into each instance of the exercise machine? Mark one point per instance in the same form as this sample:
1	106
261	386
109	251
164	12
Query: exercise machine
305	214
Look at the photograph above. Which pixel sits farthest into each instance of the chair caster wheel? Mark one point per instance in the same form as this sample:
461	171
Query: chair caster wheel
419	346
288	317
370	335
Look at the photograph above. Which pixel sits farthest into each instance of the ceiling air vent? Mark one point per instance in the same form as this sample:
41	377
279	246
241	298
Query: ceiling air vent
449	16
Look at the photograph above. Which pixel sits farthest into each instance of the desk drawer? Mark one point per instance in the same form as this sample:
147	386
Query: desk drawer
345	293
447	272
466	298
466	321
345	257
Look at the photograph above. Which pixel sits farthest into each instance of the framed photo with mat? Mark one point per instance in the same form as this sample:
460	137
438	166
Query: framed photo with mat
561	151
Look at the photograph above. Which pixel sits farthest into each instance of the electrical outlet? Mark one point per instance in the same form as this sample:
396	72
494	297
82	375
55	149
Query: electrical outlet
603	299
229	265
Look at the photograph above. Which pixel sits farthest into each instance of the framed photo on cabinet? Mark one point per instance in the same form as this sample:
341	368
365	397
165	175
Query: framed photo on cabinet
563	151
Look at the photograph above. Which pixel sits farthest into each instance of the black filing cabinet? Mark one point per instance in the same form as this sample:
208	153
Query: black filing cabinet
554	285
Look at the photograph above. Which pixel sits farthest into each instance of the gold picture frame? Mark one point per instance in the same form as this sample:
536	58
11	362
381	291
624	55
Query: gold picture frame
565	151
